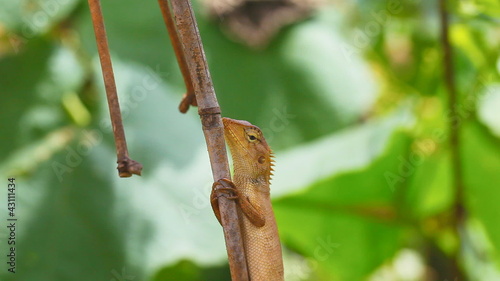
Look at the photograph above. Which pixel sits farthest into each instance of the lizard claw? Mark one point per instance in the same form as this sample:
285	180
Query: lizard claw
225	188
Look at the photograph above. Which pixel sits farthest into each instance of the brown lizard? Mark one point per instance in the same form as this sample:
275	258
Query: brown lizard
252	160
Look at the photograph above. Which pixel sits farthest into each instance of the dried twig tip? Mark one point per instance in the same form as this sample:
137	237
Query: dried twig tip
187	100
128	167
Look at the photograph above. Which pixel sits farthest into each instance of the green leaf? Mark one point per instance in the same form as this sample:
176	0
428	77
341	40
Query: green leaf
358	203
430	187
488	105
350	149
307	63
185	270
75	206
489	7
20	93
267	87
481	162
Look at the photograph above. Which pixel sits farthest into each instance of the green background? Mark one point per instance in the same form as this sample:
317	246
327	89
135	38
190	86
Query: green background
351	99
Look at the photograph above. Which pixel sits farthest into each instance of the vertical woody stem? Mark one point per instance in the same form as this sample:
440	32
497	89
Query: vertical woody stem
213	129
454	139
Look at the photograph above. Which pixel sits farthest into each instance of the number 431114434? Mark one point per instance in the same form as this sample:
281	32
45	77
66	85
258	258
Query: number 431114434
11	199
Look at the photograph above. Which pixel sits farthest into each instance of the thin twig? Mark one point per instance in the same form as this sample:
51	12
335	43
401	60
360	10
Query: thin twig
126	166
189	97
454	130
213	128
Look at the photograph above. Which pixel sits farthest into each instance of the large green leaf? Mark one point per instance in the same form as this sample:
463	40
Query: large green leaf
130	225
346	221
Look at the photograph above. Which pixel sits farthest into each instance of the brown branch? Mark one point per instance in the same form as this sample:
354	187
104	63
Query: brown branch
189	97
126	166
213	128
454	130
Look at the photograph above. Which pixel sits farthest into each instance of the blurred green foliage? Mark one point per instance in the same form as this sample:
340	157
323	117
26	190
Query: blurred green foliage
352	100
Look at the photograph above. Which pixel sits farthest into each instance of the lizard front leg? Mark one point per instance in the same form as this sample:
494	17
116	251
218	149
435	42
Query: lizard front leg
253	212
221	186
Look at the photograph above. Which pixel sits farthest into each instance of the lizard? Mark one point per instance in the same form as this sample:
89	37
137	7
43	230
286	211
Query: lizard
252	163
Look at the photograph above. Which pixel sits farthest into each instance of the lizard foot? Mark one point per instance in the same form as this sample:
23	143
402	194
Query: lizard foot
222	188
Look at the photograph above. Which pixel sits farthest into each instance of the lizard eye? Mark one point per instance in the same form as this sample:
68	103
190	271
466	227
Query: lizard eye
252	138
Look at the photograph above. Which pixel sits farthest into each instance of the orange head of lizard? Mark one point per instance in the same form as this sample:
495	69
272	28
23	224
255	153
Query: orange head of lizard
251	154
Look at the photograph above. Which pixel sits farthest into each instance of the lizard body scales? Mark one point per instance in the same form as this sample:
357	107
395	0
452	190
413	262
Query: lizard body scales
252	160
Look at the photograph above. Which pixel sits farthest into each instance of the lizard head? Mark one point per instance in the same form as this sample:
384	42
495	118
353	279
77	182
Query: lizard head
251	153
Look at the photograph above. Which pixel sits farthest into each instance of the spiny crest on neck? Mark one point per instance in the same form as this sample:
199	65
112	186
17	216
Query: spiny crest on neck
271	165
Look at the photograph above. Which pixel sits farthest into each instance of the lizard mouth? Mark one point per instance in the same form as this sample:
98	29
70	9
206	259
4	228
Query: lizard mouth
234	138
